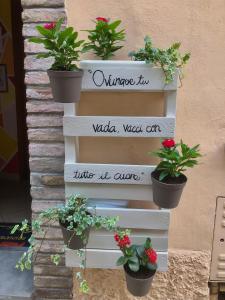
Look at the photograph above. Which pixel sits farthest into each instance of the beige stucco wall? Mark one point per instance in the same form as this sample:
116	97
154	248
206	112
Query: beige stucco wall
199	25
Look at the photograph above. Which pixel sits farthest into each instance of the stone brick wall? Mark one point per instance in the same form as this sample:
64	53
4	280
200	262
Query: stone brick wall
46	149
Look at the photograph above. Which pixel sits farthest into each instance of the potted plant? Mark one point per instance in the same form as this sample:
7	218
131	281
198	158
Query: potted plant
169	59
75	221
168	179
63	46
139	263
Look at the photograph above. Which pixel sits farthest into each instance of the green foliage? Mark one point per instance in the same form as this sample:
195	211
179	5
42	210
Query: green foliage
176	160
168	59
62	44
74	216
135	256
104	39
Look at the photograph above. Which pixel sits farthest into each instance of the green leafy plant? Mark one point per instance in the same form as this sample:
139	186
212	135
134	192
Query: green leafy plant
75	216
62	44
175	158
104	39
168	59
135	257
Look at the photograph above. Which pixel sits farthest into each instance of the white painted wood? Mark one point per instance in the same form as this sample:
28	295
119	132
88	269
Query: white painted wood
123	76
108	173
119	126
111	191
102	239
137	218
106	259
170	104
71	143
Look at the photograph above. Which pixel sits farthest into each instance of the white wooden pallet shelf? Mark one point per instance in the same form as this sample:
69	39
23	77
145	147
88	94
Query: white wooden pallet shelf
118	181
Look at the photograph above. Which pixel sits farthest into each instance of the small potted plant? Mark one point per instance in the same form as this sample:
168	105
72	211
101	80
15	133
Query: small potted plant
139	262
75	221
63	46
169	59
168	179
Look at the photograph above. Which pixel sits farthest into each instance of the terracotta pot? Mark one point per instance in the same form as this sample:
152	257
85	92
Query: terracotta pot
66	85
137	286
167	194
71	240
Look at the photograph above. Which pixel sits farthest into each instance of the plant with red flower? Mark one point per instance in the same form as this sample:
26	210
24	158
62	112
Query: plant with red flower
61	44
50	26
175	158
104	39
135	257
102	19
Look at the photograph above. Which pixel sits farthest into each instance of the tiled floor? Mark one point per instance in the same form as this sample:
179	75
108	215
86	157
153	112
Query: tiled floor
14	284
14	207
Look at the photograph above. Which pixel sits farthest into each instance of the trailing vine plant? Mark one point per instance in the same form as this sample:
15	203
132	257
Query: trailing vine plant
104	39
75	216
168	59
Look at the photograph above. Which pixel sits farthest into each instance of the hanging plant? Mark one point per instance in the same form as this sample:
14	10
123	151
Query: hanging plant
75	221
168	59
139	262
64	47
104	39
168	179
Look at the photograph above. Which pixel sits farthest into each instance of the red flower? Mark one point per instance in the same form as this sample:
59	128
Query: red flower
116	237
169	143
122	242
152	255
50	26
102	19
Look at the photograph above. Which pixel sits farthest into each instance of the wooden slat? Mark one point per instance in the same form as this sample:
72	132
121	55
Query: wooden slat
119	126
106	259
137	218
124	76
108	173
71	143
102	239
110	191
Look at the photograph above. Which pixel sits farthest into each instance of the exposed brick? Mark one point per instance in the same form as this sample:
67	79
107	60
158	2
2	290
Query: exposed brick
46	164
51	246
42	3
30	47
48	193
53	281
47	179
50	233
45	134
52	270
34	106
43	93
40	205
45	259
44	120
33	63
36	78
47	149
51	293
31	15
